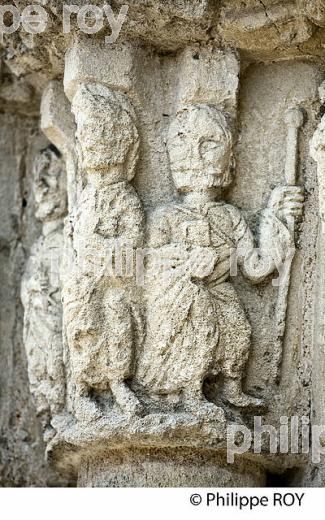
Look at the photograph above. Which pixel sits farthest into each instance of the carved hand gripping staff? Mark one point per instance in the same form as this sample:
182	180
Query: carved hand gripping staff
294	120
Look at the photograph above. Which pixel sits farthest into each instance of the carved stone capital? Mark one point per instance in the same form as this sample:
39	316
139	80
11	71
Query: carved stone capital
160	258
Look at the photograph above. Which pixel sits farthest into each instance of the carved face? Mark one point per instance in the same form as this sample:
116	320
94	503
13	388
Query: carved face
49	186
200	149
106	134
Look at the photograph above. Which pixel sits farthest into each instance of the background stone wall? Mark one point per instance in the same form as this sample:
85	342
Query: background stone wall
22	460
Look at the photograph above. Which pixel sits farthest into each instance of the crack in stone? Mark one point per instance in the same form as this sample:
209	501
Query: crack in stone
270	18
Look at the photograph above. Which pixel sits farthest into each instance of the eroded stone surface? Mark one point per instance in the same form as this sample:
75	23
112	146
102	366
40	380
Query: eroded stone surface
41	291
186	150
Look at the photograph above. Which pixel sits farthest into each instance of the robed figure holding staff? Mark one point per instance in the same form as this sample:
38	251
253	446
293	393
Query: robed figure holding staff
196	324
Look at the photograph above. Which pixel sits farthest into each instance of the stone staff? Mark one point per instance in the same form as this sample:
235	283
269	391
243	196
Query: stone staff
294	120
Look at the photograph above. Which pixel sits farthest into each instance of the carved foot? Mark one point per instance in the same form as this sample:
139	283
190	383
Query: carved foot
126	399
233	394
244	400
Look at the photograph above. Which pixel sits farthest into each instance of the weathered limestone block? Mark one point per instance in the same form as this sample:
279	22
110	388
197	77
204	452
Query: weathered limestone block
166	468
269	29
58	125
117	66
208	75
263	25
57	122
41	291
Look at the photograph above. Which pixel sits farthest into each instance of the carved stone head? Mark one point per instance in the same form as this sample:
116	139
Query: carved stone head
200	148
50	191
107	135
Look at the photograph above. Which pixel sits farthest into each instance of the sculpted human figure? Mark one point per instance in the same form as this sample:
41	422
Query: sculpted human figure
101	317
41	291
196	325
